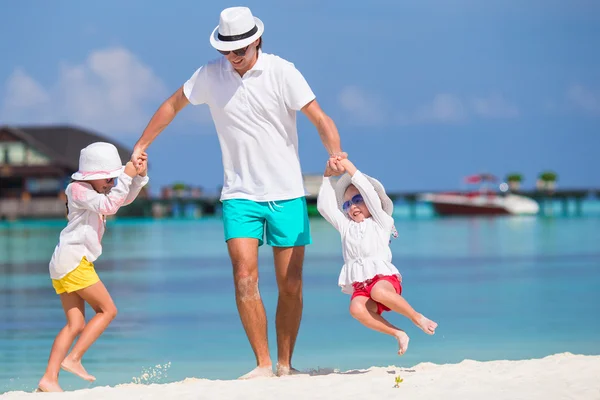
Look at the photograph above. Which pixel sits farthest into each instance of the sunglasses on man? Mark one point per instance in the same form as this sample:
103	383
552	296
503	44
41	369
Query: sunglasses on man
356	199
238	52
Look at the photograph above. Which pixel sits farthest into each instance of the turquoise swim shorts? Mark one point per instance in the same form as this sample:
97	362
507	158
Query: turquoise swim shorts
284	222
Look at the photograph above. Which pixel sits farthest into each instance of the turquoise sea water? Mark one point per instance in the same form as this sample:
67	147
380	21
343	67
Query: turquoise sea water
500	288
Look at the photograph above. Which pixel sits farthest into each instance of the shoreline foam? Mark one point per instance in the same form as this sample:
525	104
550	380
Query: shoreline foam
560	376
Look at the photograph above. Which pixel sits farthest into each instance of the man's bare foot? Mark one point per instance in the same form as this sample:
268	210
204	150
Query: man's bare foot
286	370
76	368
258	372
428	326
48	385
403	339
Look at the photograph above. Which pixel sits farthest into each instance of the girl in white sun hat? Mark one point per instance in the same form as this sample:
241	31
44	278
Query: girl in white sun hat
361	211
93	194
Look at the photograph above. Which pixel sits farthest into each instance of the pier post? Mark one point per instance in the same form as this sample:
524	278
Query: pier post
542	202
578	208
565	206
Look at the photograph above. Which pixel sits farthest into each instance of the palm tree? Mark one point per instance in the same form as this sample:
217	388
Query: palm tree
179	188
547	180
514	181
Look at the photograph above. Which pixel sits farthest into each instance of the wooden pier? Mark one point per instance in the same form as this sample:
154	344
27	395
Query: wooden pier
565	196
544	198
571	201
202	206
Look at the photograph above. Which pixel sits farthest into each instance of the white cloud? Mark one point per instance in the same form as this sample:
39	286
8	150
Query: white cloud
111	91
584	99
24	91
494	106
444	108
364	107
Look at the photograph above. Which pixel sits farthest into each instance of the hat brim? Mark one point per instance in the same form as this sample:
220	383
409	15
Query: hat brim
346	180
78	176
238	44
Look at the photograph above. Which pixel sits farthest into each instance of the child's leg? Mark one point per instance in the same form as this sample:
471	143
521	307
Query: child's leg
99	299
365	311
384	293
75	312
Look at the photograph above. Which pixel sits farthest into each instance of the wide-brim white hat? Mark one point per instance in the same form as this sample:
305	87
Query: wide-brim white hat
237	29
79	176
98	160
346	180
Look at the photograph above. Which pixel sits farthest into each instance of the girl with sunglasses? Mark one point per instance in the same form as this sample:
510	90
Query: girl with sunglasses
359	209
93	194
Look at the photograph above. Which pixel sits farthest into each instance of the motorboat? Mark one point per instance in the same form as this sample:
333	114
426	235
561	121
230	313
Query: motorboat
482	201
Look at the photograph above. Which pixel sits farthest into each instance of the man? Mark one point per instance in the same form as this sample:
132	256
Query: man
253	98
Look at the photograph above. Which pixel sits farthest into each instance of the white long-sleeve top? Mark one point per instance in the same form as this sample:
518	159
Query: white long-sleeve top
365	245
86	215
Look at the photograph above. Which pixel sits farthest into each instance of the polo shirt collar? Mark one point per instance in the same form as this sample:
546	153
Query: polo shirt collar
260	65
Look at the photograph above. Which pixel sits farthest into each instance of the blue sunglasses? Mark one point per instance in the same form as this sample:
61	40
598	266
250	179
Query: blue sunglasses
356	199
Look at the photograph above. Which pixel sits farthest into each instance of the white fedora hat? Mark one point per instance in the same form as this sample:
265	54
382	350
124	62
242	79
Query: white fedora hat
237	29
98	160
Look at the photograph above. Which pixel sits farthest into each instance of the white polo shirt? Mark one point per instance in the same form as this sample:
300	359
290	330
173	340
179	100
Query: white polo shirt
255	119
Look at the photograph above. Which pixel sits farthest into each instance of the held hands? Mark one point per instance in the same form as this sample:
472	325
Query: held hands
139	160
334	165
142	167
137	157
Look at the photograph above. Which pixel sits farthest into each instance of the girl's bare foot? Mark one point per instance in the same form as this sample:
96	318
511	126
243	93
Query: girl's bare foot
403	339
48	385
76	368
428	326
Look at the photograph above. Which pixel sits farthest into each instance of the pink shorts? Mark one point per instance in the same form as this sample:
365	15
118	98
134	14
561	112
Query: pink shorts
364	289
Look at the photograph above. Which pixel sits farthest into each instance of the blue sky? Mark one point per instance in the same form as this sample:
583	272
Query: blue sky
423	92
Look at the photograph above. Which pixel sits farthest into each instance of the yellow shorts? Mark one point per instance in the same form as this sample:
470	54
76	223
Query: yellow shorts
81	277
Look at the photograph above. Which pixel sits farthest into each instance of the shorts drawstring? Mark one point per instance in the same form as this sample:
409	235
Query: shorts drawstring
274	204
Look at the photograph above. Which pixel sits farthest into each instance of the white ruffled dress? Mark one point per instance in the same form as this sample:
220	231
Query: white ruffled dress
365	245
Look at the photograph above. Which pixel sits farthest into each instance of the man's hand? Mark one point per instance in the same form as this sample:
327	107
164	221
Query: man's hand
137	157
334	165
142	170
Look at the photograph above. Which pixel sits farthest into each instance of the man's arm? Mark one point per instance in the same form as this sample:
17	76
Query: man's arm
159	121
327	131
325	126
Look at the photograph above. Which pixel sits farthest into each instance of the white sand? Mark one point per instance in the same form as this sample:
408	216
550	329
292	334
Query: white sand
561	376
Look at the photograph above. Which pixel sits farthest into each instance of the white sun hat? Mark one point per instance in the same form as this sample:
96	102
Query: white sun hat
237	29
386	203
346	180
98	160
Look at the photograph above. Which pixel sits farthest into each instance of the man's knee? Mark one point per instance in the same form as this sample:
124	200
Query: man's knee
293	288
247	288
291	285
245	278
